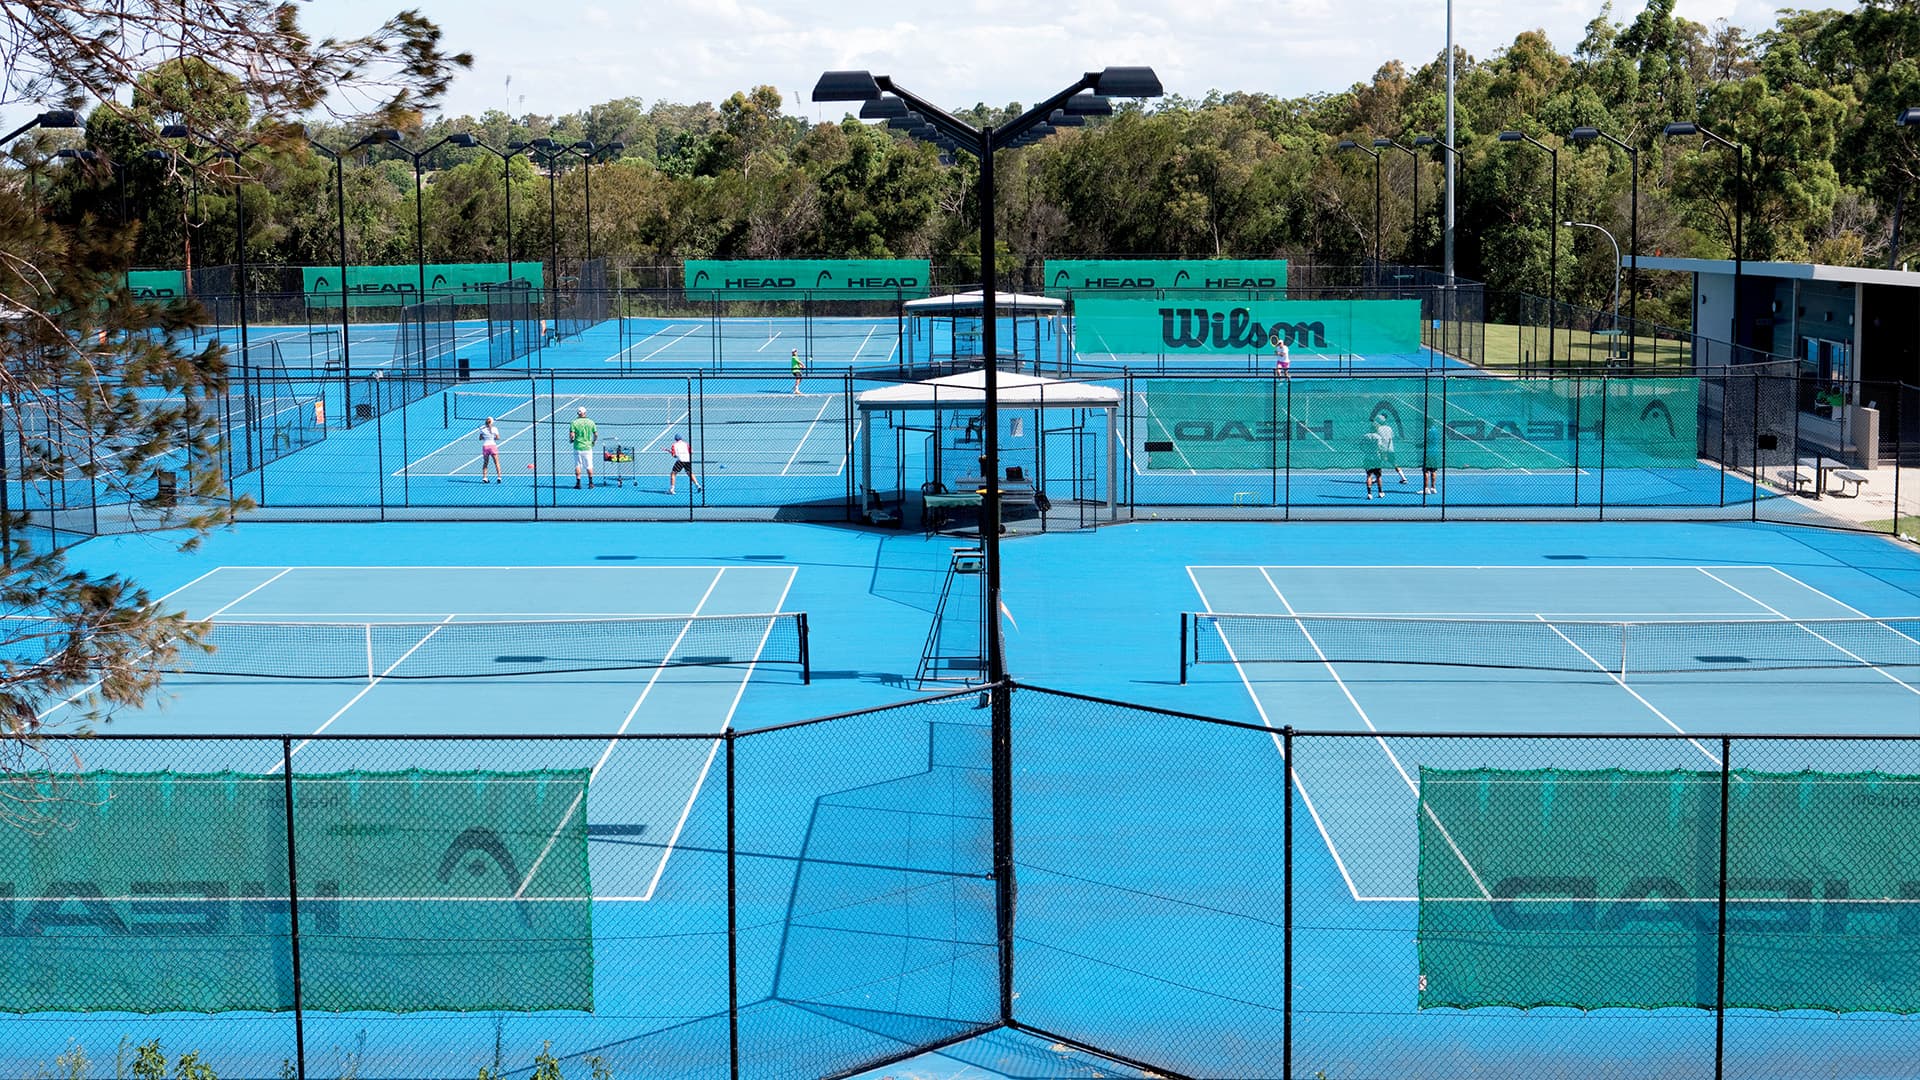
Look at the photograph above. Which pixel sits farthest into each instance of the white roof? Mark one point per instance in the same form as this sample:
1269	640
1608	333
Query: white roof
1856	275
971	301
968	390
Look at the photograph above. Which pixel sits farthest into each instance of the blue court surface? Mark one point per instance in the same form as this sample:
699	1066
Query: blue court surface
1146	846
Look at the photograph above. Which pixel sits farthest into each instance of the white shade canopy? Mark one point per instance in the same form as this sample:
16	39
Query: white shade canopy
959	303
968	390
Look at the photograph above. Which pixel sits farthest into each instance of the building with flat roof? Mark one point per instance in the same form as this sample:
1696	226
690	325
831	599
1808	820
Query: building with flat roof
1853	334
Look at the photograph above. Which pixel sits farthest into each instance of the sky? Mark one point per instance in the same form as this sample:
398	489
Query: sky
564	55
559	56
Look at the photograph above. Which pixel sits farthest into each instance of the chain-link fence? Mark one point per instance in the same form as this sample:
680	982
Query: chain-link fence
1203	897
795	902
1761	443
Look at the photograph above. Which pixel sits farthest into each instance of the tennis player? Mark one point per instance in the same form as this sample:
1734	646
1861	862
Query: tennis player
490	451
799	368
1372	459
1430	456
584	434
682	454
1385	432
1282	356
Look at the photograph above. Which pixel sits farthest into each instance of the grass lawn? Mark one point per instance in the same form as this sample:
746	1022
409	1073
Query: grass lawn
1507	345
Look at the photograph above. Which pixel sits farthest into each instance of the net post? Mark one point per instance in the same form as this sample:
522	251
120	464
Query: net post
1625	636
1286	879
367	629
293	914
806	652
1183	648
733	927
1720	951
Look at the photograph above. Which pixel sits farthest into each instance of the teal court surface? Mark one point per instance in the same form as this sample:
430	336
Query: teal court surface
1148	846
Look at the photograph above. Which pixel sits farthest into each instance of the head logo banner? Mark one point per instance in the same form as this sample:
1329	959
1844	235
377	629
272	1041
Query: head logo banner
799	279
419	891
1152	277
157	285
1174	327
396	286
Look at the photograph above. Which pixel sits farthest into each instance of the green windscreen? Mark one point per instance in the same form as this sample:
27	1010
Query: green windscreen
1455	423
397	286
1597	889
167	892
795	279
1185	327
1147	277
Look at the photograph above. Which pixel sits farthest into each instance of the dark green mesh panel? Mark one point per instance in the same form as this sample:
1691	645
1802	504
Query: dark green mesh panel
1475	422
162	892
1596	889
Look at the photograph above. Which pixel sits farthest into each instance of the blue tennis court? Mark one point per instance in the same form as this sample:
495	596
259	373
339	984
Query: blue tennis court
1148	847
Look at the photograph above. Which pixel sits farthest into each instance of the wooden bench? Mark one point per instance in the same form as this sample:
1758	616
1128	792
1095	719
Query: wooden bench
1847	477
1797	480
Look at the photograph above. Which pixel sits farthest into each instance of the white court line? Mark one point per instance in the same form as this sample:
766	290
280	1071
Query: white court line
364	691
476	566
1622	684
531	424
1280	745
1384	748
1555	616
769	341
802	444
614	743
1154	419
846	459
95	684
726	722
1880	671
424	616
669	345
863	345
1835	600
1453	566
622	354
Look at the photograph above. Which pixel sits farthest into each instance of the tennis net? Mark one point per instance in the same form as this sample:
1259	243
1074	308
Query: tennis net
656	411
465	650
1616	648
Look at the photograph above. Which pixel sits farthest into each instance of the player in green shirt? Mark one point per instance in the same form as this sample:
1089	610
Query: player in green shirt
799	367
584	434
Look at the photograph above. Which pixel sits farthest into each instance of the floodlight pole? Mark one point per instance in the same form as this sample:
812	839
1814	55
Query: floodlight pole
1616	261
862	86
1553	238
1633	231
1349	144
506	157
1688	127
548	151
339	158
1413	224
982	142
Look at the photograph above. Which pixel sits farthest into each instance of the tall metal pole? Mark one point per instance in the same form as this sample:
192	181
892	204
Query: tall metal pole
586	167
346	329
1633	252
990	445
247	404
419	231
1739	248
1447	254
1376	216
553	240
1553	262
